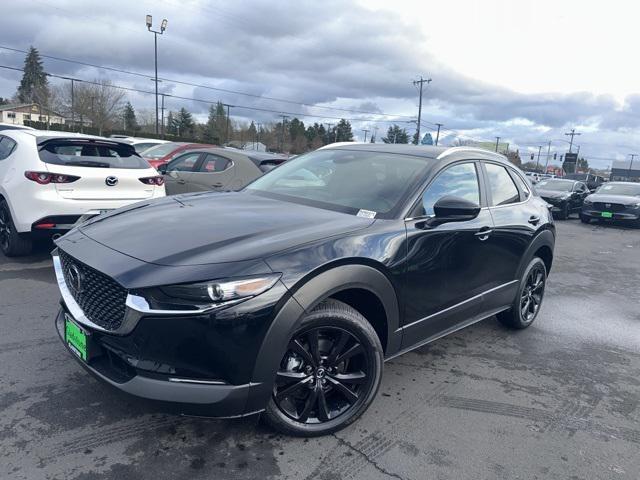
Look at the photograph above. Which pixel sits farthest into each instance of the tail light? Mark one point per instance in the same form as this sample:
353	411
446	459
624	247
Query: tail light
44	178
157	180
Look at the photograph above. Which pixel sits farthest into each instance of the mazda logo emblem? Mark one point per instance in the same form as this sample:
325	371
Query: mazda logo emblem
607	205
111	181
75	279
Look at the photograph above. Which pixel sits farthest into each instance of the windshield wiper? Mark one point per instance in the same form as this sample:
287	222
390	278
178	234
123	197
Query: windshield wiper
88	163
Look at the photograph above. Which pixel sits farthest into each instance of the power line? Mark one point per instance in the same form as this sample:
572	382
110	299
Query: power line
208	87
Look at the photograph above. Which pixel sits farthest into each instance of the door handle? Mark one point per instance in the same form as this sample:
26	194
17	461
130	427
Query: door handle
483	233
217	185
534	219
181	182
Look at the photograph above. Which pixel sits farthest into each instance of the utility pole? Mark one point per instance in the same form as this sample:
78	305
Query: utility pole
438	133
572	134
375	135
632	155
163	27
73	108
538	161
329	125
226	134
420	82
284	119
497	142
365	134
546	165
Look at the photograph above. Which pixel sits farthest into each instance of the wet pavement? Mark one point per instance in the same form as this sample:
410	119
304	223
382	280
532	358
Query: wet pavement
558	400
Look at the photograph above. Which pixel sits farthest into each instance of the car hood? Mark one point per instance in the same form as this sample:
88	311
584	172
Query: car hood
604	198
210	228
552	193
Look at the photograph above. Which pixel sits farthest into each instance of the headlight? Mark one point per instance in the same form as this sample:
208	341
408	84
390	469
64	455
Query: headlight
587	202
221	290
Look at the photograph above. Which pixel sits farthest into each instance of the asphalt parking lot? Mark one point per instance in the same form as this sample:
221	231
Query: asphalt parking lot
558	400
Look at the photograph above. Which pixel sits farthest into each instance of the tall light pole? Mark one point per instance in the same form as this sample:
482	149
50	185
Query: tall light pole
163	27
546	165
226	135
497	142
365	134
420	82
538	161
632	155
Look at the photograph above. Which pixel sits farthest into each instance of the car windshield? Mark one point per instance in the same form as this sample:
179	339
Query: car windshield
555	185
160	151
90	153
349	181
620	189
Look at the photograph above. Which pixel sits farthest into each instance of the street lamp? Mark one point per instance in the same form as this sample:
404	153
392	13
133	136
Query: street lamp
163	27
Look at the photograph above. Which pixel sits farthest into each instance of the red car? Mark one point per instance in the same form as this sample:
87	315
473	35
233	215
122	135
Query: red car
164	153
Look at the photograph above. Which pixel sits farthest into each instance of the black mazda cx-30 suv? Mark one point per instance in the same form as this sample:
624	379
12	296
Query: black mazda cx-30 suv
288	296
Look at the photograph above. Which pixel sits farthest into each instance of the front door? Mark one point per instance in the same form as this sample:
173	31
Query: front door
179	172
446	264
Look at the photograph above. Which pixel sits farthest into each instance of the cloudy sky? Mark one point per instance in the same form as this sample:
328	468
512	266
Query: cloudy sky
527	71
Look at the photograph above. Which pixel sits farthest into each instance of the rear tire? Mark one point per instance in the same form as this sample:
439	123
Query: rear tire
329	374
528	301
12	243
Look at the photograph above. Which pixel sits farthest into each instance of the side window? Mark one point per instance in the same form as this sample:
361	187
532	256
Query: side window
459	180
214	164
582	187
184	163
525	191
503	190
7	145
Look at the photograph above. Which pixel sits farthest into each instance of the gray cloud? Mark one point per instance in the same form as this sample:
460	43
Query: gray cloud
305	50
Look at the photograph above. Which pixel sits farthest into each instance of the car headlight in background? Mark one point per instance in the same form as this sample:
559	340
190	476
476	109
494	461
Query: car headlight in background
217	291
587	202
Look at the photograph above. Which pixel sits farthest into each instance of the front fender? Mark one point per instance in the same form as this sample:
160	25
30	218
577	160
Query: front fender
304	299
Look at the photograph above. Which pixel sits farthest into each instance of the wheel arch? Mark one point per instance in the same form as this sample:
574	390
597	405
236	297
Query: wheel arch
350	283
541	246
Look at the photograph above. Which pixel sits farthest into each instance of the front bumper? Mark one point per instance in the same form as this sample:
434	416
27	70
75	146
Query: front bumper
174	394
628	214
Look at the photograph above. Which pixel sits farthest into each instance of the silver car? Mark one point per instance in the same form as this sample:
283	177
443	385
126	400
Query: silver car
214	169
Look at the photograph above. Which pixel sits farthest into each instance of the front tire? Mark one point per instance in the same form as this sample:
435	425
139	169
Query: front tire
564	212
329	374
12	243
585	219
528	301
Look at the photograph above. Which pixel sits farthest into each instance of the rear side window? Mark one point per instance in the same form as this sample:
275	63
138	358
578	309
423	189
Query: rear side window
91	154
525	191
214	163
7	146
503	190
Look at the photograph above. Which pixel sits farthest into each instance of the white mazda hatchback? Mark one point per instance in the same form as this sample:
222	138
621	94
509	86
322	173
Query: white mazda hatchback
50	181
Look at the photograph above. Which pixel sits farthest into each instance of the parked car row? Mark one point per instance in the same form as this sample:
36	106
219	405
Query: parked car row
52	181
612	201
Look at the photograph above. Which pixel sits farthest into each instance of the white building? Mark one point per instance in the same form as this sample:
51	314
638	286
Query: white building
17	114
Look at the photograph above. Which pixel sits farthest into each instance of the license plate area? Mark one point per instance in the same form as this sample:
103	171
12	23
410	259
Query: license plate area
77	338
606	214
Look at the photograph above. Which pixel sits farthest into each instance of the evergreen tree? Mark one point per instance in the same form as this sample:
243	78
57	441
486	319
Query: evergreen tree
343	131
129	118
171	124
34	86
4	101
395	134
184	123
215	128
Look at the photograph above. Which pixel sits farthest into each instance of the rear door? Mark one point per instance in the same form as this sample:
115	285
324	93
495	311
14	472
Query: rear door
179	172
516	220
216	172
106	170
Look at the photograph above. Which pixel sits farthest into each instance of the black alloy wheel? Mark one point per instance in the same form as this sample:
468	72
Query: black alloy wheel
531	296
329	374
526	306
322	375
12	243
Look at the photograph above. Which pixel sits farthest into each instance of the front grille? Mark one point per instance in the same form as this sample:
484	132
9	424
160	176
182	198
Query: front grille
101	298
609	207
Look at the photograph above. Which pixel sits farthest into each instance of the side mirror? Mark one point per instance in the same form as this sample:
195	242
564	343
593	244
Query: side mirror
454	209
162	168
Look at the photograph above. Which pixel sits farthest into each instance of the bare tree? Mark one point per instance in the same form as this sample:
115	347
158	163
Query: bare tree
98	102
